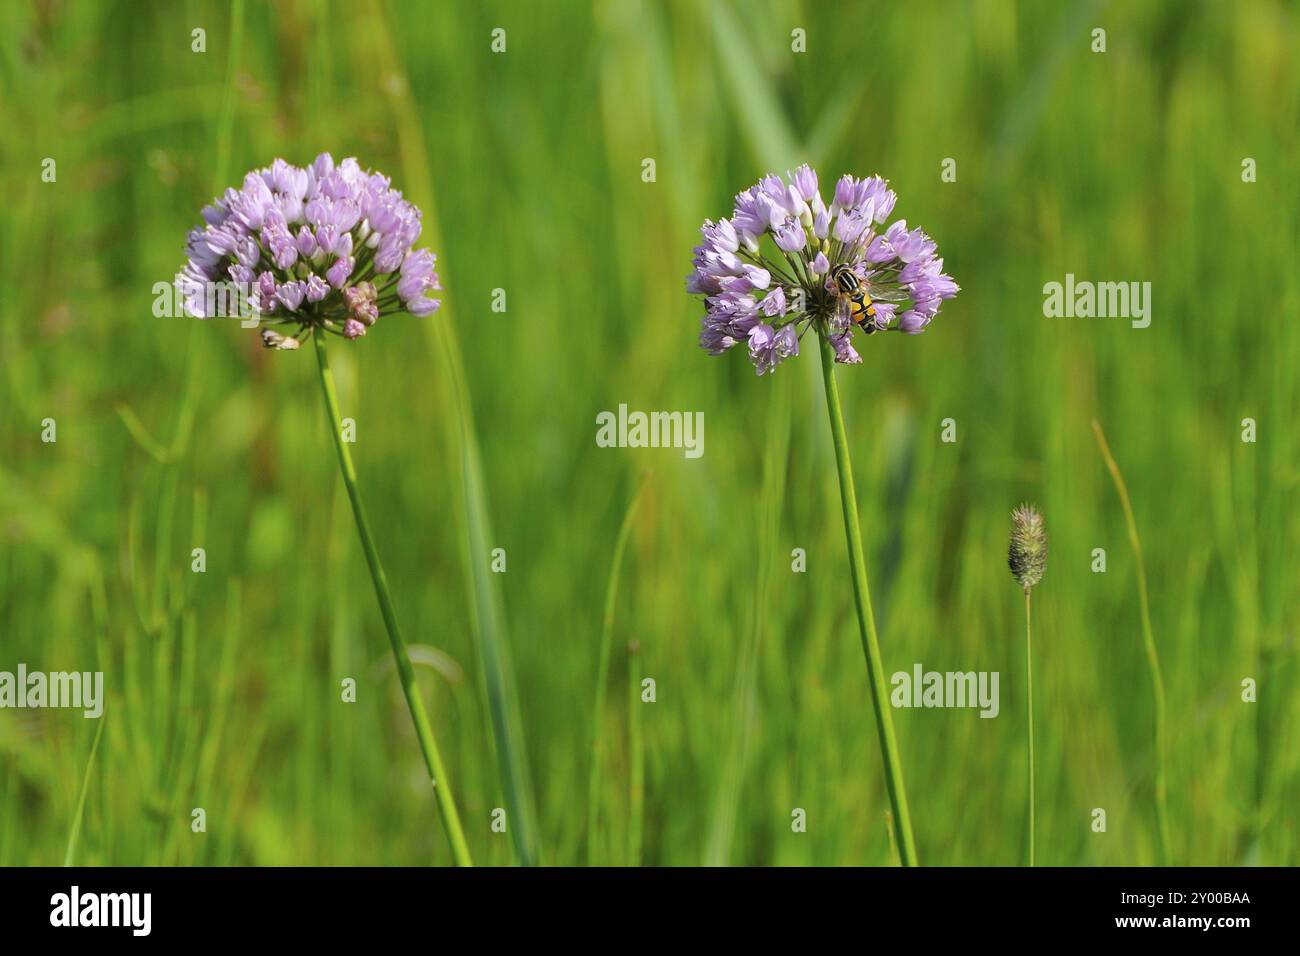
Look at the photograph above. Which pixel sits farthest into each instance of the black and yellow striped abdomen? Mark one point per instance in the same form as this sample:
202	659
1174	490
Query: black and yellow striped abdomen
861	308
850	288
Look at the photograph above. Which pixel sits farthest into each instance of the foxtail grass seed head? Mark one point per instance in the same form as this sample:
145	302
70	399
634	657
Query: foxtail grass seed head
1027	557
786	262
325	247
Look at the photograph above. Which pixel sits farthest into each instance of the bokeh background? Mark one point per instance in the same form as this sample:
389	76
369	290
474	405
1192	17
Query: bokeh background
476	430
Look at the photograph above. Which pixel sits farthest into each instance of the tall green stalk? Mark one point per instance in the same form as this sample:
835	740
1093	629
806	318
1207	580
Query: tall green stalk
1149	641
1029	714
866	618
405	672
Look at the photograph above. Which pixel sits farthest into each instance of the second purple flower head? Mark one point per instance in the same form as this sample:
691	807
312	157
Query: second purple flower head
786	262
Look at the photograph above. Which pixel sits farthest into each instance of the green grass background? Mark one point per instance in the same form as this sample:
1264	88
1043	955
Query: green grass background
476	430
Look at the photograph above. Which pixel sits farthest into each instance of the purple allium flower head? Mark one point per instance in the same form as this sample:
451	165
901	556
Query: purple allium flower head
324	248
782	239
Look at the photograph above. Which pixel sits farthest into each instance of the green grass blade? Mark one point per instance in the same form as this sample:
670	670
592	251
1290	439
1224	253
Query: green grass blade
490	632
75	833
602	671
726	807
771	138
1149	644
635	757
494	652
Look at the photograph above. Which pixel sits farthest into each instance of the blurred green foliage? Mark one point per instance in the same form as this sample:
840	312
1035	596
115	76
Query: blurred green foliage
224	687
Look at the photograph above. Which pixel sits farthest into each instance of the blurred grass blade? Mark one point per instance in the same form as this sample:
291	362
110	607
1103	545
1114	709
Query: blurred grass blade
635	757
602	671
764	123
150	445
744	700
1022	114
840	116
1149	642
485	599
498	671
226	124
75	833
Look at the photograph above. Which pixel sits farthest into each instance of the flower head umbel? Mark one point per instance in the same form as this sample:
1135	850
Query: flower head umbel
1027	556
766	292
322	247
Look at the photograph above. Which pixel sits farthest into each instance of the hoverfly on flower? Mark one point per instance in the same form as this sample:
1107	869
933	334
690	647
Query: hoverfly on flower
853	293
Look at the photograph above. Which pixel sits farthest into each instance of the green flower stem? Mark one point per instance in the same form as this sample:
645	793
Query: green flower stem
1029	713
902	818
406	673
